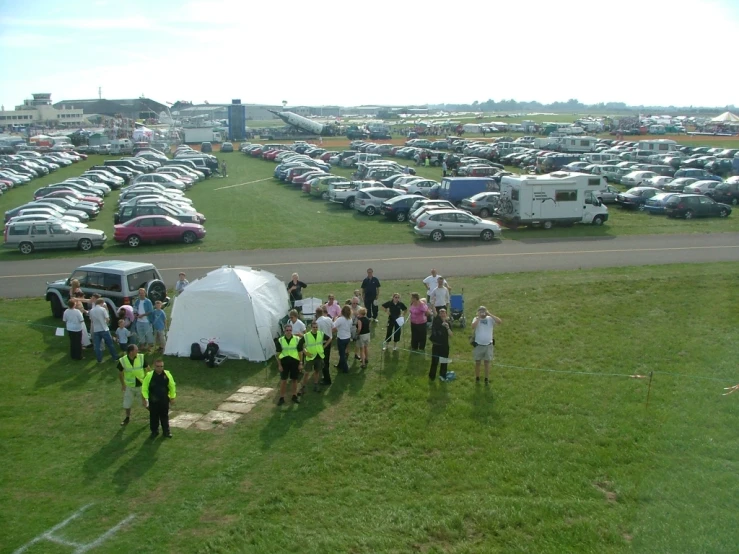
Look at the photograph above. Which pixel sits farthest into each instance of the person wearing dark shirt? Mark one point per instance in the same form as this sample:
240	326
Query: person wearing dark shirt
370	291
289	349
395	309
158	391
440	333
295	289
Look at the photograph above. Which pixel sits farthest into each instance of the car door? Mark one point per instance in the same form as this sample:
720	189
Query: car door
40	236
146	230
706	207
60	237
466	225
166	230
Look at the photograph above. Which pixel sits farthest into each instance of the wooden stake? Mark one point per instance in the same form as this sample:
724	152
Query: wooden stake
649	389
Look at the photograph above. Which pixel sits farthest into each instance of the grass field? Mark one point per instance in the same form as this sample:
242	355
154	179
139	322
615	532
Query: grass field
252	210
384	461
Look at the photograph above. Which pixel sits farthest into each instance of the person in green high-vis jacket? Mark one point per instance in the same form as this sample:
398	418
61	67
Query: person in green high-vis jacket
159	391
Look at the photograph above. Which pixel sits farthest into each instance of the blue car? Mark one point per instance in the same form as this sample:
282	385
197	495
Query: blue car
656	204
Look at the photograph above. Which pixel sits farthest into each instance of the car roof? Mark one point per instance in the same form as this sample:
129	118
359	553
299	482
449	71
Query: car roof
119	267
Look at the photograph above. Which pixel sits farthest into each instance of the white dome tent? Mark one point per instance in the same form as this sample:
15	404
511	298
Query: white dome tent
239	306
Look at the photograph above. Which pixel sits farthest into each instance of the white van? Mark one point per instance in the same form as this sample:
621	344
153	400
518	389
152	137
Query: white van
576	144
121	146
545	200
600	157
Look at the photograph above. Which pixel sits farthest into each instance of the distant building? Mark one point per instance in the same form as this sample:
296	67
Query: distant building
133	108
39	111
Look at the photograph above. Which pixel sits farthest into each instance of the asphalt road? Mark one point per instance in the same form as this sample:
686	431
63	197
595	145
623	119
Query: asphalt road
28	277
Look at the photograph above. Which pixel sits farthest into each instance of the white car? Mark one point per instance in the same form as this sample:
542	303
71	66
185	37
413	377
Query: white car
701	187
658	182
637	178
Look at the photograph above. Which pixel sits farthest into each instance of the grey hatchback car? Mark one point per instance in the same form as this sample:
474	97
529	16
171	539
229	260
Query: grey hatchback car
41	235
369	200
440	224
482	203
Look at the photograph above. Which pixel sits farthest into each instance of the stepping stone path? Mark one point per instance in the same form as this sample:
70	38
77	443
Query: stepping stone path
228	413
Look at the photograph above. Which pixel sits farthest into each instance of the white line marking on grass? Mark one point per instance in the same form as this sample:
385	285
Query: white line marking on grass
244	184
79	548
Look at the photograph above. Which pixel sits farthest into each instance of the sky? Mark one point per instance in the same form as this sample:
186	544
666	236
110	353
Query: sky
327	52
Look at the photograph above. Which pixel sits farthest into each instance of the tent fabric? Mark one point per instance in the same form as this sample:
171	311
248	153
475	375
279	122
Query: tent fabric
239	306
726	117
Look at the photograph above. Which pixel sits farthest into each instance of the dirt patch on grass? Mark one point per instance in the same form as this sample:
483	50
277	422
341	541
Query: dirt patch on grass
607	488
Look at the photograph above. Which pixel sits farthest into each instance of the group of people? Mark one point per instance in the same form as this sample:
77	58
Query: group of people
143	323
304	354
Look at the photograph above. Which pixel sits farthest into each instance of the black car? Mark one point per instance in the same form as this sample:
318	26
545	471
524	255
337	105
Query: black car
726	193
397	208
636	197
695	205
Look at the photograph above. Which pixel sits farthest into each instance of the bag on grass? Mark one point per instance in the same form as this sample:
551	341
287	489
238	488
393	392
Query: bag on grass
211	351
195	352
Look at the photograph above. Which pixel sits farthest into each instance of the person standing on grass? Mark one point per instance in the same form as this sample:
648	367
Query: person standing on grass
440	333
158	391
132	369
224	171
326	326
181	283
297	324
100	327
483	325
443	168
395	309
143	309
159	325
419	310
343	326
332	307
440	296
431	282
313	356
74	322
363	337
289	355
354	304
122	334
295	289
370	292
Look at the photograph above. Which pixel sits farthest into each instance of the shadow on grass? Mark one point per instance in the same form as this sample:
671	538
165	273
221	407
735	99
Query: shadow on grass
438	399
137	465
482	405
109	453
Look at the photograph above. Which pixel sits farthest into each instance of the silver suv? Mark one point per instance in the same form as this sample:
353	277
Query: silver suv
28	236
368	201
117	281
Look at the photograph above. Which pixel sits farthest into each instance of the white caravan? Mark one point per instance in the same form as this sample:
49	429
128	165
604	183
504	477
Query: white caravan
576	144
557	198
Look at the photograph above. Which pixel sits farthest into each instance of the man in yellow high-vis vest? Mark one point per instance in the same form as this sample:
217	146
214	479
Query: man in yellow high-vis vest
132	369
313	354
289	351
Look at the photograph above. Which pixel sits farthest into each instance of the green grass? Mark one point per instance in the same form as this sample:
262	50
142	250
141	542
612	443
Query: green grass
386	462
260	212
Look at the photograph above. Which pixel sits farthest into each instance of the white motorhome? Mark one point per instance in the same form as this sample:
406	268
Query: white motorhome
600	157
121	146
576	144
657	146
545	143
557	198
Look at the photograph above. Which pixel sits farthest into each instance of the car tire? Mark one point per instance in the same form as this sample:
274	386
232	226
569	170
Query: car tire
133	241
547	225
689	214
189	237
57	310
437	236
401	217
484	213
723	212
734	201
156	290
324	196
642	208
25	248
85	245
370	211
487	235
598	220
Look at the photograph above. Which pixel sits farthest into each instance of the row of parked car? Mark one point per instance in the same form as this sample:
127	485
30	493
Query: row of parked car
22	167
385	187
151	206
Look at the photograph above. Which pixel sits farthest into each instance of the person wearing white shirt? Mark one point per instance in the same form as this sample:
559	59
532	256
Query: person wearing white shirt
75	323
297	325
431	282
439	297
100	330
482	326
326	326
181	284
343	326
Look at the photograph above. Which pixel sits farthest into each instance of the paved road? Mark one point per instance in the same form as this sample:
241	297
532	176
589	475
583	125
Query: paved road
348	263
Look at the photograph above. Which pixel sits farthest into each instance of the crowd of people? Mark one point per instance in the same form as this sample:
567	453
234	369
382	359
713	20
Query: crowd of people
303	355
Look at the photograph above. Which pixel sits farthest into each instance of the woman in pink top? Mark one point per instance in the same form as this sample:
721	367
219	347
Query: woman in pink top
419	316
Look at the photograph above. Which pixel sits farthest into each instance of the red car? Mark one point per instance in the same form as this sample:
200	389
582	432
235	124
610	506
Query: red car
301	179
326	156
271	154
69	193
157	228
256	152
